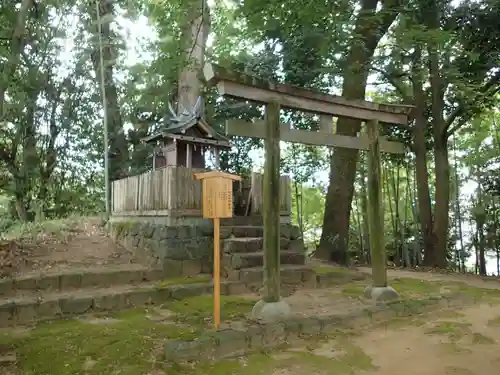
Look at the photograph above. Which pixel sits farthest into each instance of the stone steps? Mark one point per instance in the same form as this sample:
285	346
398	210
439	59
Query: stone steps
29	307
237	261
75	279
245	231
249	244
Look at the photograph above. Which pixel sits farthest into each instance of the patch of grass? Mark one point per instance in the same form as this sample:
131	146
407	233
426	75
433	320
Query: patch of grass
458	371
454	330
479	338
353	358
353	290
494	321
324	270
56	228
199	309
454	348
126	347
414	286
185	280
479	294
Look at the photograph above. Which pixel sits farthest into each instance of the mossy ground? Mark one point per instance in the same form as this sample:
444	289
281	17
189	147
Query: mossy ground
342	357
131	342
185	280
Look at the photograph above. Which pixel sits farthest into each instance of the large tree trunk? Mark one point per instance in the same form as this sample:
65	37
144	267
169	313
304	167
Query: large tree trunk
441	215
335	232
432	12
16	47
117	141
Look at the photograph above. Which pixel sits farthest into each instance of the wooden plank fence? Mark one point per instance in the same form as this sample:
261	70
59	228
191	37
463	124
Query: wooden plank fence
172	191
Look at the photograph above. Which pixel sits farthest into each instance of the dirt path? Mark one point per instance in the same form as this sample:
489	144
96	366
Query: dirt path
468	344
474	281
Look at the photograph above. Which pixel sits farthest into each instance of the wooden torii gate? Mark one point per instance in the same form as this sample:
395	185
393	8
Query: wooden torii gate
276	96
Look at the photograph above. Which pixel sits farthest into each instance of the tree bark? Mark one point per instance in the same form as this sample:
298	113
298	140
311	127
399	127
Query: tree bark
367	33
16	47
118	144
432	14
422	176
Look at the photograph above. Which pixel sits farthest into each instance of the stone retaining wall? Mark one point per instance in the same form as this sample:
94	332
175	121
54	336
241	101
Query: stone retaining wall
257	337
19	311
182	250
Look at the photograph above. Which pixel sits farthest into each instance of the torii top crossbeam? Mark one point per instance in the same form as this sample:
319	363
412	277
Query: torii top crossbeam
244	86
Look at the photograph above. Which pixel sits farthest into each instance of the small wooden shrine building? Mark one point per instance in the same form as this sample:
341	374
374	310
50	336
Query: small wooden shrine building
169	189
184	142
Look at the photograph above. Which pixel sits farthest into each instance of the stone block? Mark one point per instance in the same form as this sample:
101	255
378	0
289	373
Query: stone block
251	276
230	343
239	260
297	245
189	290
248	231
242	245
110	302
76	305
172	268
70	281
25	312
291	276
160	296
147	230
6	287
25	283
7	314
285	230
208	345
48	309
225	232
101	278
191	268
273	335
284	243
308	274
159	233
176	351
134	240
48	282
295	232
141	297
133	229
154	274
254	337
310	327
292	329
236	288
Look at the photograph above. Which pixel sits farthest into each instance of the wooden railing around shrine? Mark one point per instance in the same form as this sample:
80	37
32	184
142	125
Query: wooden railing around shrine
172	191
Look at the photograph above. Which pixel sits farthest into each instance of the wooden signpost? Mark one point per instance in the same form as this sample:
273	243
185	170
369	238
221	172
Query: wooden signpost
217	193
275	96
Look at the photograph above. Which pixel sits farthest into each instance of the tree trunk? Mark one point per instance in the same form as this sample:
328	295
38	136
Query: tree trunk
118	145
16	47
422	174
364	213
441	216
335	231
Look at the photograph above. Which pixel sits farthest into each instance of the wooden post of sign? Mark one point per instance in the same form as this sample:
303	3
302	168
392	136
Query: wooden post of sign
216	272
217	191
375	219
272	204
